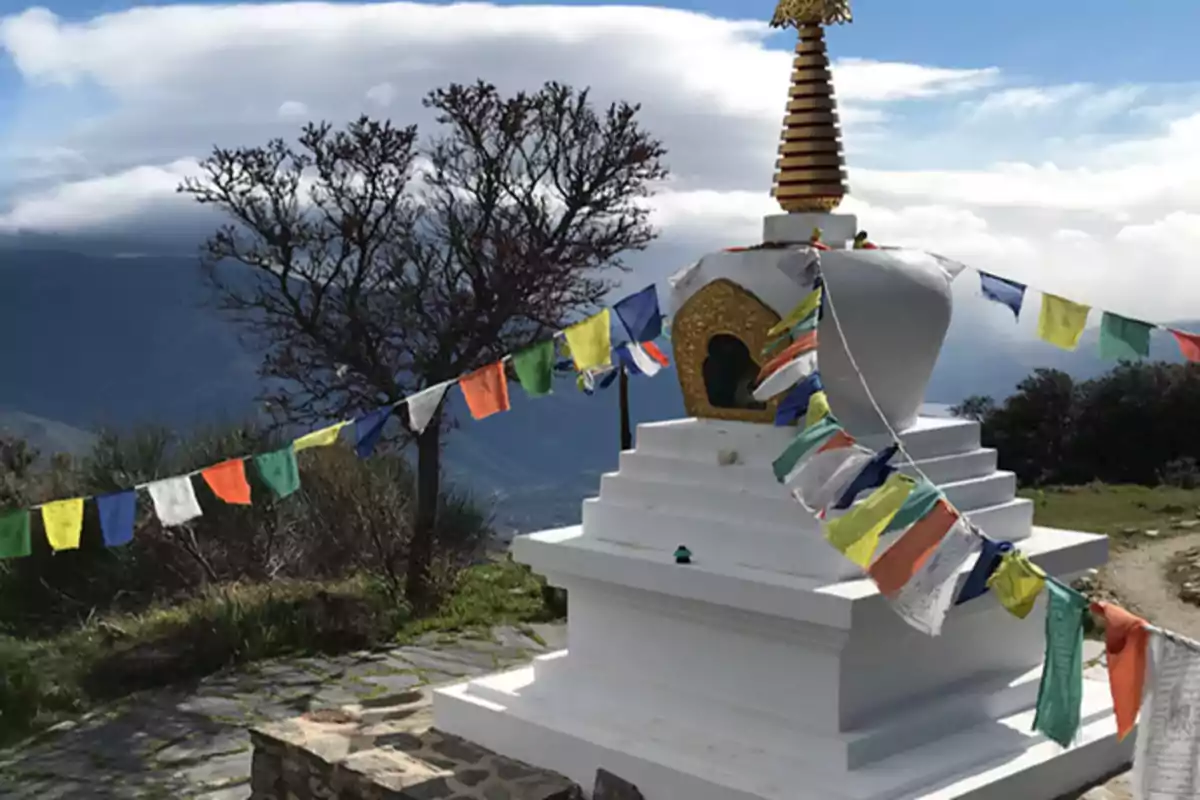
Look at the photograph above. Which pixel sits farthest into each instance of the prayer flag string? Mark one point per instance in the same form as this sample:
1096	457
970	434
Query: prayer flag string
485	391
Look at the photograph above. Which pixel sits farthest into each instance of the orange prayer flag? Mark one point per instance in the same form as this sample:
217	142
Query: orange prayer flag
1189	344
838	441
485	390
1125	641
228	481
802	345
901	561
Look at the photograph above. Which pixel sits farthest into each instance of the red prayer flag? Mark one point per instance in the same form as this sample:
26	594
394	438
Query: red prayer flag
1189	344
485	390
658	355
802	345
1125	641
228	481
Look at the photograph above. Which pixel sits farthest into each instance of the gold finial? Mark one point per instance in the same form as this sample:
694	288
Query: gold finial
794	13
811	170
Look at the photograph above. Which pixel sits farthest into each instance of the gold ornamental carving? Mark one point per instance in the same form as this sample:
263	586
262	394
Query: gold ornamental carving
810	174
721	307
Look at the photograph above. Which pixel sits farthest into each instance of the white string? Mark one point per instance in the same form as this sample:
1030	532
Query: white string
137	487
1175	637
837	326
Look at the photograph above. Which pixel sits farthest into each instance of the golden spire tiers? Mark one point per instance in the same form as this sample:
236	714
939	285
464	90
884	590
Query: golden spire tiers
811	171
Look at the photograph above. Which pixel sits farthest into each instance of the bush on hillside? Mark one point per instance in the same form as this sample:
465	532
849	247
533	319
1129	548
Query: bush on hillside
1135	424
350	517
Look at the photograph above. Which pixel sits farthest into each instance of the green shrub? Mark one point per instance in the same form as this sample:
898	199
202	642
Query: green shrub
350	517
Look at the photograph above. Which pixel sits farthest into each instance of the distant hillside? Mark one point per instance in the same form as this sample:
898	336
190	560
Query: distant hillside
48	436
123	341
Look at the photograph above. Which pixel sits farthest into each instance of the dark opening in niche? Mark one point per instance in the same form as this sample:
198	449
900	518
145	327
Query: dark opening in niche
729	374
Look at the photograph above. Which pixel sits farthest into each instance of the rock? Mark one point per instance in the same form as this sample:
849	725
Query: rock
1187	524
1152	532
612	787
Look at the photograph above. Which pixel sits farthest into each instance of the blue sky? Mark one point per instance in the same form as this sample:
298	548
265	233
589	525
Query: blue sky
1049	140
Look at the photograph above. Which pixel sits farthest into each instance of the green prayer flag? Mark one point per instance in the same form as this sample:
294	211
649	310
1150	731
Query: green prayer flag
1060	693
919	503
535	368
1123	338
14	534
279	471
808	439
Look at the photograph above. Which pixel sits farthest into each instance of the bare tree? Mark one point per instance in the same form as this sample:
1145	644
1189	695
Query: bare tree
379	266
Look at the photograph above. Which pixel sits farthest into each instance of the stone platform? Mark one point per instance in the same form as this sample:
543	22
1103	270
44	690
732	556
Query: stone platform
388	750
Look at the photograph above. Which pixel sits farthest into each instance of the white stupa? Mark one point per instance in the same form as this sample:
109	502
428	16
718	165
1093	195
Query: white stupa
770	667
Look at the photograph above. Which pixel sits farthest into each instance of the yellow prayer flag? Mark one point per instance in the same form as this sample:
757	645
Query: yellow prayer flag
63	520
818	409
1062	321
1017	583
856	535
321	438
590	341
807	306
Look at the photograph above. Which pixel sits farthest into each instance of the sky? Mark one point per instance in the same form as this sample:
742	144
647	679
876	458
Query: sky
1054	143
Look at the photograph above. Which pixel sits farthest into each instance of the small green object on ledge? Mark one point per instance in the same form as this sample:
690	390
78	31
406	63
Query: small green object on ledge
683	555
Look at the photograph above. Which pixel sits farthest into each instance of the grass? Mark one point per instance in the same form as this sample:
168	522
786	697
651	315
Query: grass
1122	512
43	681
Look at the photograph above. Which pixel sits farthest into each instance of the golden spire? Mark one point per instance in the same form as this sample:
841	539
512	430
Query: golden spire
811	170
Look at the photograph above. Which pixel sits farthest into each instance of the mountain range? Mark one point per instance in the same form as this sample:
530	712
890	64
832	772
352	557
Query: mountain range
109	341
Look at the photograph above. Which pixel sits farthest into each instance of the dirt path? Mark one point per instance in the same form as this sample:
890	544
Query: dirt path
1138	577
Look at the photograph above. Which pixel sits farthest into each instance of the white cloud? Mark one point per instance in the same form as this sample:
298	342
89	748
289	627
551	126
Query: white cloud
864	79
381	94
292	109
97	203
1025	180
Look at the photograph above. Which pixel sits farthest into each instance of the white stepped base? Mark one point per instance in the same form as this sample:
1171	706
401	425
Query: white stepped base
710	485
682	752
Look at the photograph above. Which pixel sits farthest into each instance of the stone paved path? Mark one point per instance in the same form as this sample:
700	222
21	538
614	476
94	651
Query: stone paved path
182	744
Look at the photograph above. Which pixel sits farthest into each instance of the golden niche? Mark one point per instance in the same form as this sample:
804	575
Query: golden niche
718	338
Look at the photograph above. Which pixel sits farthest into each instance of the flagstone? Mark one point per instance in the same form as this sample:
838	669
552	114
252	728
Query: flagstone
169	744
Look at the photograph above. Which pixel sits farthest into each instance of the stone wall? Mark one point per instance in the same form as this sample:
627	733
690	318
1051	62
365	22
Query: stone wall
386	750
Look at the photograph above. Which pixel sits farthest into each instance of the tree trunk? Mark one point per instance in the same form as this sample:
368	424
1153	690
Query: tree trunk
420	550
623	392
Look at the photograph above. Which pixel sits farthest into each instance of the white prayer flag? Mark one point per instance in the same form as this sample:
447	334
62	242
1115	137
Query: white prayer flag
820	479
174	500
642	360
1166	760
423	405
787	376
799	266
925	600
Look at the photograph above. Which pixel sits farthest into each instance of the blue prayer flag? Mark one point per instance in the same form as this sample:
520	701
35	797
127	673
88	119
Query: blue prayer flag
625	359
608	379
795	402
989	559
1005	292
872	475
368	429
640	316
117	512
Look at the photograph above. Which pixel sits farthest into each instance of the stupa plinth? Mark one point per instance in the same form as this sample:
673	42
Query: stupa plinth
766	666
